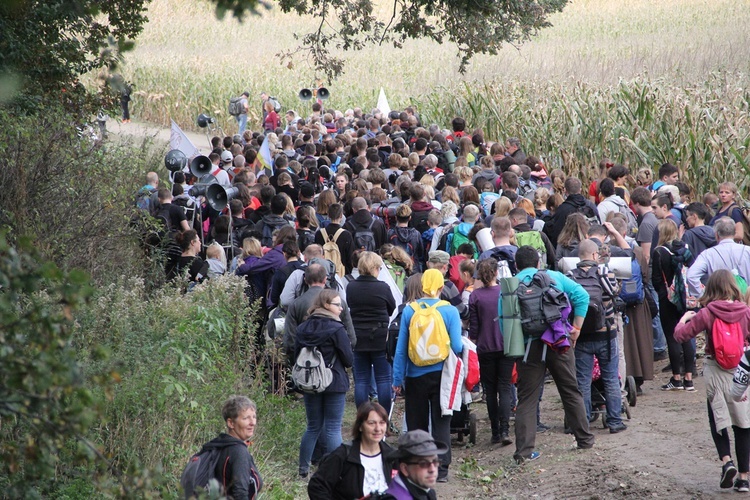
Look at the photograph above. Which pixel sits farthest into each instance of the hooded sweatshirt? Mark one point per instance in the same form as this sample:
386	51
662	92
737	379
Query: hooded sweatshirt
699	238
272	222
410	240
573	203
729	311
236	469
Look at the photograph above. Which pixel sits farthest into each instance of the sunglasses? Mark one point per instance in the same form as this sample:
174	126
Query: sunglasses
425	464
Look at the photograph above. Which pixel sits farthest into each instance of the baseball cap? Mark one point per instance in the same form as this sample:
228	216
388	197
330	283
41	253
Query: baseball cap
439	257
226	157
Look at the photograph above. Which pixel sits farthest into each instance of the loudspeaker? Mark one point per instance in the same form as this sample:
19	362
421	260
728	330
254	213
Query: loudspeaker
201	166
323	93
204	120
305	94
175	160
200	187
218	196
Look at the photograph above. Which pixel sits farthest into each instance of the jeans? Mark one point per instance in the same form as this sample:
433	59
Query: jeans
606	352
660	341
364	364
496	371
242	121
324	412
422	402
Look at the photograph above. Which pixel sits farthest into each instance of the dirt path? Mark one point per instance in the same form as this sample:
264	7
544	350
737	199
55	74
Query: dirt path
159	134
667	452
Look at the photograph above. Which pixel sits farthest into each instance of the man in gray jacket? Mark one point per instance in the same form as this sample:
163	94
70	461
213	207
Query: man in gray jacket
725	255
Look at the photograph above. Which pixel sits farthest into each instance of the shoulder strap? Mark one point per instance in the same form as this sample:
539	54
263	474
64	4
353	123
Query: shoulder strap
337	234
325	235
372	223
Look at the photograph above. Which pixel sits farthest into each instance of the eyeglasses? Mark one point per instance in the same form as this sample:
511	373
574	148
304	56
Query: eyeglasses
337	304
425	464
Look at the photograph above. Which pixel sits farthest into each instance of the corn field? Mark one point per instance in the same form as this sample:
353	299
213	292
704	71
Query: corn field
703	129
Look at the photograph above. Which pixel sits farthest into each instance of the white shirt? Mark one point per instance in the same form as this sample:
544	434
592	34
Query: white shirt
374	477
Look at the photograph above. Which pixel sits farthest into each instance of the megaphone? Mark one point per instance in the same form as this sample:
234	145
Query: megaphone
201	166
175	160
305	94
218	196
200	188
323	93
204	120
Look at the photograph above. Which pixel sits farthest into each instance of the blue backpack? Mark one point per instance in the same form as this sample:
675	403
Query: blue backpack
632	289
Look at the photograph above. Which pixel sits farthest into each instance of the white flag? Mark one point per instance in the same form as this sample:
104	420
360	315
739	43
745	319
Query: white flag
264	157
178	140
383	103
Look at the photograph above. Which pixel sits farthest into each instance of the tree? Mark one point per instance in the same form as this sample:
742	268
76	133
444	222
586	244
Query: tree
47	44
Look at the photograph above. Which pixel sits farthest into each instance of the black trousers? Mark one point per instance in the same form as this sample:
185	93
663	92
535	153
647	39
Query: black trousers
422	400
496	372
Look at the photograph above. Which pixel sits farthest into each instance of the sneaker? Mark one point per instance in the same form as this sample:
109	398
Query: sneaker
506	440
617	428
660	356
534	455
742	485
728	471
540	427
495	439
673	385
688	385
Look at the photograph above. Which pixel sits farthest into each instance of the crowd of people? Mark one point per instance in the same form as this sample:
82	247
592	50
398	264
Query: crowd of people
374	231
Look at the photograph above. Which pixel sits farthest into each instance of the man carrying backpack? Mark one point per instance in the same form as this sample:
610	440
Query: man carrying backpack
295	285
503	252
526	235
725	255
575	202
561	365
367	230
598	335
429	327
238	107
273	221
335	234
407	237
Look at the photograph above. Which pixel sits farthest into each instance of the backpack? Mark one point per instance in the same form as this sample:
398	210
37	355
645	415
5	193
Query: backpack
235	106
447	231
745	223
267	233
506	263
200	472
632	222
631	291
394	240
589	213
429	342
144	200
331	281
456	239
398	274
365	238
729	343
540	304
331	250
595	320
310	373
533	239
677	291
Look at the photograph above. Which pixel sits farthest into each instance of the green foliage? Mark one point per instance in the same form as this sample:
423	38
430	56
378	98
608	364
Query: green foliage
44	401
74	199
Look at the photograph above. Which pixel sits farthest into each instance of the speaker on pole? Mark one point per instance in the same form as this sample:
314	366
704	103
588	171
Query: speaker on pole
175	160
323	93
305	94
218	196
201	166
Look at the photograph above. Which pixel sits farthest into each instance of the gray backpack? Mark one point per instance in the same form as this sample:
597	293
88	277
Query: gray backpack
310	373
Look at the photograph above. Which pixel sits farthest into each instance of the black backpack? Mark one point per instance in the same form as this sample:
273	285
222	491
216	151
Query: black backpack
235	107
365	238
540	305
391	340
331	282
201	469
595	320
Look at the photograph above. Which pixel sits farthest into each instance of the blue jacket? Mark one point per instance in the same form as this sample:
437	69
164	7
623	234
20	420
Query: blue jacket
402	365
577	295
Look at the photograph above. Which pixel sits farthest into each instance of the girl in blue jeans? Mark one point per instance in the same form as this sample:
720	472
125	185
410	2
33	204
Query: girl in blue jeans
325	410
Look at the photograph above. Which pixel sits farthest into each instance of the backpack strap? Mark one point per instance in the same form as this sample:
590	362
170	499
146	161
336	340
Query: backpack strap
336	234
326	239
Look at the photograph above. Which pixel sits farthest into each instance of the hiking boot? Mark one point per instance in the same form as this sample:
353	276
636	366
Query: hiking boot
506	440
495	439
742	485
660	355
534	455
618	428
688	385
728	471
673	385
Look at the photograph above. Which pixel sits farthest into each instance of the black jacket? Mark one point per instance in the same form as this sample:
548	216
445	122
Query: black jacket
236	469
340	475
361	220
371	304
572	204
345	243
329	336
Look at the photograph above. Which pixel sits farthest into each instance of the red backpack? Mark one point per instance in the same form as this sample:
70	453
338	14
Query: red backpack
729	343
